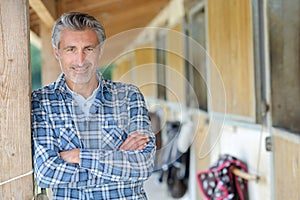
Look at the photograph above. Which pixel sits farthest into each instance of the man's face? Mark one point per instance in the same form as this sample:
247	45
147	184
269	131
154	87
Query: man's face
78	55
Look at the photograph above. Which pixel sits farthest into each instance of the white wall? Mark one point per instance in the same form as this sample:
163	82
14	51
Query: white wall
248	145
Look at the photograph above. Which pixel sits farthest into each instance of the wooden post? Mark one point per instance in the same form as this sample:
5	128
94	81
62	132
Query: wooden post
15	89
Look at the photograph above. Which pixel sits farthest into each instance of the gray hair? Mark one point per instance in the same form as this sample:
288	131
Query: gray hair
78	22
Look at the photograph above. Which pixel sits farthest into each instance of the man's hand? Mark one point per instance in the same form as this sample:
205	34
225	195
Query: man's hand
136	141
71	156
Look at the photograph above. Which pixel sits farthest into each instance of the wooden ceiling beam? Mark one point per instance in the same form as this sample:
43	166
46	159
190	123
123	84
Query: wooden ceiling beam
43	12
116	27
139	10
87	5
117	15
109	6
130	18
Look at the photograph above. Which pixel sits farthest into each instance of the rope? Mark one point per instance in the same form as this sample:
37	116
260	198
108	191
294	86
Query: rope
17	177
263	126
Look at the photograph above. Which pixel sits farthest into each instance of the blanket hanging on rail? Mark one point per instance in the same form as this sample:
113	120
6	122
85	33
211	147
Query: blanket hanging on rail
219	182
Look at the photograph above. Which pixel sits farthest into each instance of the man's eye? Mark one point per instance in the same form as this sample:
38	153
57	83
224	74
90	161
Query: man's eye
90	49
71	49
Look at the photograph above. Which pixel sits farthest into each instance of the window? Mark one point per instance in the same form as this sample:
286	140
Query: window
284	39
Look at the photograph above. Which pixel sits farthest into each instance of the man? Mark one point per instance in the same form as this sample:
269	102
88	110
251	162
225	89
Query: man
92	137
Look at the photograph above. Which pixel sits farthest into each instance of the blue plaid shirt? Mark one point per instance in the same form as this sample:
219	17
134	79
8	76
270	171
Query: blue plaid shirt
104	171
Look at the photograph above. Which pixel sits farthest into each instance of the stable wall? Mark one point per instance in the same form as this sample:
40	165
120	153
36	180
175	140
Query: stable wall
230	44
175	74
248	144
287	165
122	71
230	49
144	70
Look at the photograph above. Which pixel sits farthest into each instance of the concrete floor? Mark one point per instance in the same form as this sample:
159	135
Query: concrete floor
156	190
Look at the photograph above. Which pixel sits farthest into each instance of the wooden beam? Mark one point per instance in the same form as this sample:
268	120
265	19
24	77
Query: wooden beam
108	6
131	15
116	15
35	39
15	89
88	5
43	12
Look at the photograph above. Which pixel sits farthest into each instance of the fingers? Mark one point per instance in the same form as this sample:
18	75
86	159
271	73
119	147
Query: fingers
136	141
71	156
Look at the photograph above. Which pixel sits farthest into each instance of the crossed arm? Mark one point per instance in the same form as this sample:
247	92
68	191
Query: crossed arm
136	141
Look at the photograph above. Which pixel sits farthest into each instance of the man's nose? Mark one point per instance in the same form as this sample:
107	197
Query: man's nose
81	58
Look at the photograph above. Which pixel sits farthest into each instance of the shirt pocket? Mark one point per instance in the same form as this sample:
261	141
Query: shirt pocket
68	139
112	136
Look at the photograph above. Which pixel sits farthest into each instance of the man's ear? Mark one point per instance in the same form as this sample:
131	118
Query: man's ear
56	53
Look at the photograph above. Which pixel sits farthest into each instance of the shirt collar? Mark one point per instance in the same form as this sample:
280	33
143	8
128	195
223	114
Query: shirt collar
104	87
